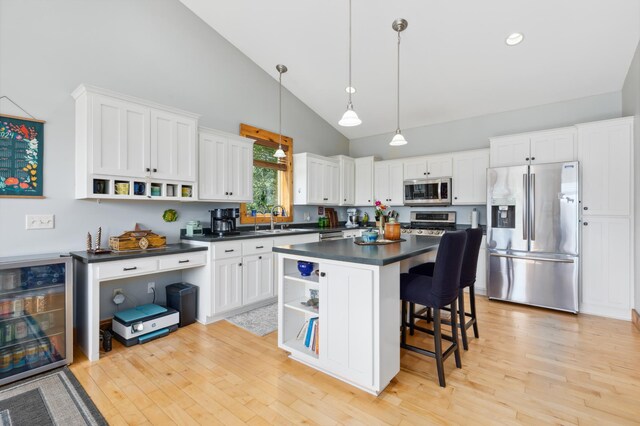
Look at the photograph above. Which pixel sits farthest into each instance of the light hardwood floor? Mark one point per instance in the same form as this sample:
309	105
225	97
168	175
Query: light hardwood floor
529	366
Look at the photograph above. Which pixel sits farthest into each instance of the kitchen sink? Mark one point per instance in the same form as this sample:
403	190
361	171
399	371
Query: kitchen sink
279	231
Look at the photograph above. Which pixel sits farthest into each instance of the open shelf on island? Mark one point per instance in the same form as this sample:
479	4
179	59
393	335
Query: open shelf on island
313	278
299	347
298	306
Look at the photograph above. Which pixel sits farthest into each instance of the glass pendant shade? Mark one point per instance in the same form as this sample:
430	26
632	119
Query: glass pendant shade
398	140
280	153
350	118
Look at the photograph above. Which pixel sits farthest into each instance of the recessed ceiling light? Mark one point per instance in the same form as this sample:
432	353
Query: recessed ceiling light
515	38
350	89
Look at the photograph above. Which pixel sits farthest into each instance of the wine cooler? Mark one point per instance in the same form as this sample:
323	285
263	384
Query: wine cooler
35	315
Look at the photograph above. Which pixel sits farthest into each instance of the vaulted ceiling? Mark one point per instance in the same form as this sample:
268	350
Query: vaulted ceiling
454	60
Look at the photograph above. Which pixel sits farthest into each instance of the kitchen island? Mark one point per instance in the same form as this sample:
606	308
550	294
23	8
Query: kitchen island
357	307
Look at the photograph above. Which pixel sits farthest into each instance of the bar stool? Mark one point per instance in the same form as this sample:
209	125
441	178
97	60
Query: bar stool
467	279
436	292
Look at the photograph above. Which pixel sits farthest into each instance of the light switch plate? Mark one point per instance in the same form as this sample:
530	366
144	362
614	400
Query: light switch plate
40	221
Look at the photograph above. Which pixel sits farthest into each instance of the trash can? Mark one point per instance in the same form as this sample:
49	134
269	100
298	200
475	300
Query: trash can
183	297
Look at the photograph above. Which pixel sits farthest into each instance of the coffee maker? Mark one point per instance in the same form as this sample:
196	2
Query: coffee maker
223	221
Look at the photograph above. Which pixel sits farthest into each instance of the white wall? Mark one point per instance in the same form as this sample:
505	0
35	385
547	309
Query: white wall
631	106
152	49
473	133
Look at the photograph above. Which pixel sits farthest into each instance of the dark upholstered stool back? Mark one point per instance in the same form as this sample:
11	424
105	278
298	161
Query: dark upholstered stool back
470	258
446	273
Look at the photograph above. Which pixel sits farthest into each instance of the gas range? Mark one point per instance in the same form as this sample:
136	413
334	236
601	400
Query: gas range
432	224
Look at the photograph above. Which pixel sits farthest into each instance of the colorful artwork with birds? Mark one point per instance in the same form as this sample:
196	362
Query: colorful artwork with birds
21	142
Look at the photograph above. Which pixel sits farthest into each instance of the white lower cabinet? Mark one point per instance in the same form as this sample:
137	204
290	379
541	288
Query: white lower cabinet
347	346
358	315
238	276
606	265
257	277
227	285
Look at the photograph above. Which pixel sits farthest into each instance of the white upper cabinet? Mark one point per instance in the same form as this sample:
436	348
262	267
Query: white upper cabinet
173	151
605	156
415	168
548	146
364	181
439	166
469	179
147	149
428	167
347	180
553	146
226	167
120	138
389	182
316	180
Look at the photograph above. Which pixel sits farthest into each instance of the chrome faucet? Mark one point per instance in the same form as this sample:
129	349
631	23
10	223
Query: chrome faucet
255	218
273	212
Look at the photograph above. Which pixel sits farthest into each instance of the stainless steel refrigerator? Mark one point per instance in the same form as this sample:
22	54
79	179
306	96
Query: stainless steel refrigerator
533	235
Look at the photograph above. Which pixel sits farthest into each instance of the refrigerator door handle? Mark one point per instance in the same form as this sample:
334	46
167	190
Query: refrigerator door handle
532	206
525	209
542	259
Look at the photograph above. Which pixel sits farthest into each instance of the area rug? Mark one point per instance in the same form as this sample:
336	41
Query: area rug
261	321
52	398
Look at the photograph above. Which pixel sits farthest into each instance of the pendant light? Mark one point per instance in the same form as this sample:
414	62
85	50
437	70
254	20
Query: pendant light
279	152
398	25
350	118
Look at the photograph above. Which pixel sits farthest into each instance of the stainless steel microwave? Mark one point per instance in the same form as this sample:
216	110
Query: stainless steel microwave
427	192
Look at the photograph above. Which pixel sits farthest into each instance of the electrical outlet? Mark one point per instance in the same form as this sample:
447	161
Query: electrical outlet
151	287
39	221
116	291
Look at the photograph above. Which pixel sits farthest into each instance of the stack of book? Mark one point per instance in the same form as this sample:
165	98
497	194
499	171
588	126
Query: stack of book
309	332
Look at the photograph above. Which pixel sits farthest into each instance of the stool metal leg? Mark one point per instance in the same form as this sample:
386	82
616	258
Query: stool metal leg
472	299
412	317
463	320
454	332
437	335
403	322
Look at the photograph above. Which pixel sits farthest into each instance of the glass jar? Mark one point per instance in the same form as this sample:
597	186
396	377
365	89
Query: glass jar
392	231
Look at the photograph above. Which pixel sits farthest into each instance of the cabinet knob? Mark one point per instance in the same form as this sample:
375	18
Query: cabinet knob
586	208
428	173
533	158
155	170
148	169
322	274
368	201
345	199
526	159
239	264
259	257
585	223
231	193
455	198
425	173
226	193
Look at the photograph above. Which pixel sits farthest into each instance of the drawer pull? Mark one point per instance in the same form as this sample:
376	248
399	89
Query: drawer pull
183	261
259	246
130	269
229	251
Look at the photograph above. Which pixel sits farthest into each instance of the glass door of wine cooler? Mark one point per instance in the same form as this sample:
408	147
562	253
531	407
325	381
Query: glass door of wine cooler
35	315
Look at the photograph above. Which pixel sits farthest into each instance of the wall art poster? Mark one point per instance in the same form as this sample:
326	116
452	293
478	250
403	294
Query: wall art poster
21	149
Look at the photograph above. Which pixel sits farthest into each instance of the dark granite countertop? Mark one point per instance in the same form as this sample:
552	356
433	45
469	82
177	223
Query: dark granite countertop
347	251
179	248
249	233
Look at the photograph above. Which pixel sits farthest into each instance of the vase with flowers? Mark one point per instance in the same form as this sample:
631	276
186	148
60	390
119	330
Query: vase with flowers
381	216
